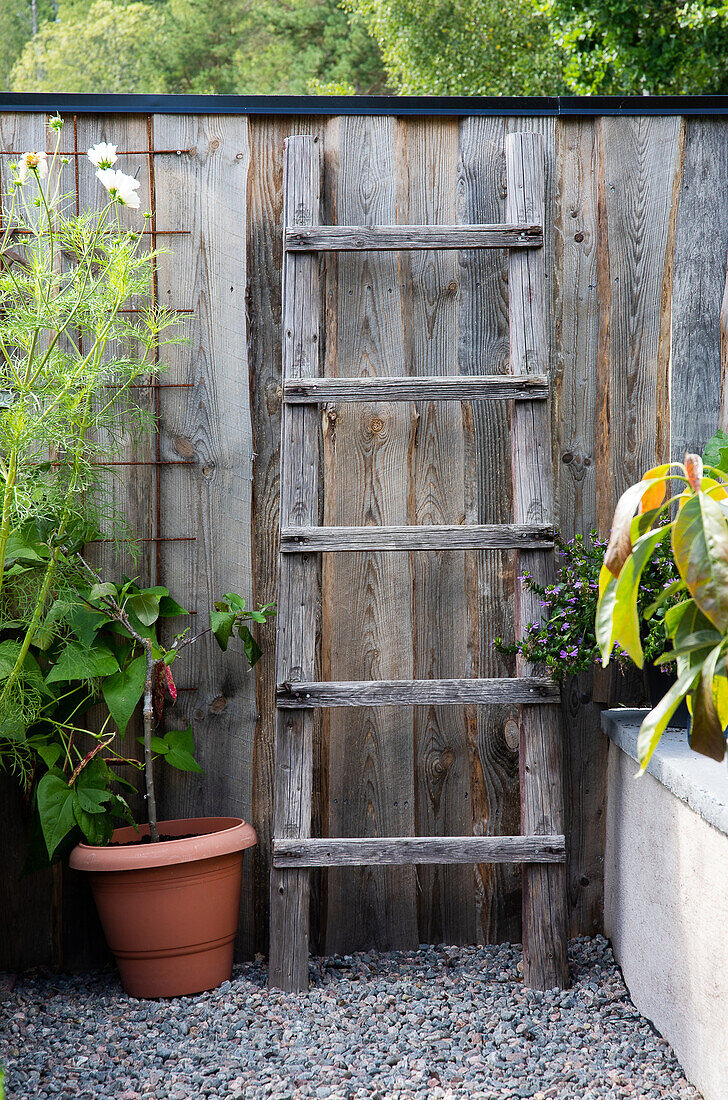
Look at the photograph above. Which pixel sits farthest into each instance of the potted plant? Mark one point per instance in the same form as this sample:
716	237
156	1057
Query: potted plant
564	641
71	353
684	507
167	892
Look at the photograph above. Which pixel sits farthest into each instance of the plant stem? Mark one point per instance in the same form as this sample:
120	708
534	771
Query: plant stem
7	501
118	613
148	732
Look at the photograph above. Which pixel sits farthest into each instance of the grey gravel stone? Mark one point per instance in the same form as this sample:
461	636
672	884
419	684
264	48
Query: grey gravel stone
438	1023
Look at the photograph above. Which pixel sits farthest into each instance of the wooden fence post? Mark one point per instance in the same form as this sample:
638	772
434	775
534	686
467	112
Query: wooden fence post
299	584
545	961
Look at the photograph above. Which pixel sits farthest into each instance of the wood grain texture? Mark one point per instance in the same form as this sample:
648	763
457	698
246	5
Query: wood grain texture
299	584
698	282
367	598
638	163
444	536
391	238
208	424
416	389
432	692
419	850
545	927
264	248
483	349
575	374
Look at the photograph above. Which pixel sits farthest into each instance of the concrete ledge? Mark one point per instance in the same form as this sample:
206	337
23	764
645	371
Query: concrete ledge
700	782
666	893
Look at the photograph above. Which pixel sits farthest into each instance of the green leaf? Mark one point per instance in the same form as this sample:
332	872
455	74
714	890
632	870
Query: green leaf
181	747
123	691
706	732
158	744
604	622
92	800
55	800
85	623
252	650
655	724
620	542
236	603
49	752
222	623
145	606
77	663
23	547
96	827
700	549
9	653
101	591
625	616
716	452
169	608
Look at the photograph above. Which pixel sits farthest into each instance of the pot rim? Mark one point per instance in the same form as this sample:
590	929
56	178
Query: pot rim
216	836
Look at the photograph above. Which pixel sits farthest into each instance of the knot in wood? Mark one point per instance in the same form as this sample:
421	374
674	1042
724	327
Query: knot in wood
217	706
511	734
376	424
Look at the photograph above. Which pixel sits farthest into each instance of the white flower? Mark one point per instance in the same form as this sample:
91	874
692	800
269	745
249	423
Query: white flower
102	155
29	162
121	188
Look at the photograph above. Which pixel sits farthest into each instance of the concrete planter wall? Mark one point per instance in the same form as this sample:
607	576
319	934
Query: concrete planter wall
666	893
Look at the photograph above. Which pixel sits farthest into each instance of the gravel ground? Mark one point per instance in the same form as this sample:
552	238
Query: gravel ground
439	1022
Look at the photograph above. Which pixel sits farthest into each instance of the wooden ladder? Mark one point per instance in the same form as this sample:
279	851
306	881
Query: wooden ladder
541	848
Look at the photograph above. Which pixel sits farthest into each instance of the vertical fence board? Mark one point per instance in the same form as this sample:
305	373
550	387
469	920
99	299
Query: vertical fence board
264	231
639	161
367	598
483	349
208	425
575	360
429	288
701	247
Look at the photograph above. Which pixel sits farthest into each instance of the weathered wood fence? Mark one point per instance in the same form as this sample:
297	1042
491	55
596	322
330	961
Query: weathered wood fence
636	244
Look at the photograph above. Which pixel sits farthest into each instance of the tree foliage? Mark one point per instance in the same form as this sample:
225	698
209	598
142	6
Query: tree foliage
203	46
657	47
105	47
464	47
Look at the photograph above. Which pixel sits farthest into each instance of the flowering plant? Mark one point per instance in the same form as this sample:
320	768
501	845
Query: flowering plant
77	336
565	640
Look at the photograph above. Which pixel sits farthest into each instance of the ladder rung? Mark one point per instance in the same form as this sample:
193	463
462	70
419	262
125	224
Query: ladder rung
418	849
390	238
388	693
522	387
459	536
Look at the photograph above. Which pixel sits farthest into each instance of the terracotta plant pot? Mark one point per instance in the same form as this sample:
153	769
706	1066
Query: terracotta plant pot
170	910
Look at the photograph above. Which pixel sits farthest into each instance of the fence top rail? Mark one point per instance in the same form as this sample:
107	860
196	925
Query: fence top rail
454	106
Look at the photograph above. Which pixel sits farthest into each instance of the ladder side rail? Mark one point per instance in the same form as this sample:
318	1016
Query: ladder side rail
299	583
545	962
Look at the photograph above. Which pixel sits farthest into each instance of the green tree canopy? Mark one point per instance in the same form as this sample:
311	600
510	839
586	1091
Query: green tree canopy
464	47
207	46
106	47
655	47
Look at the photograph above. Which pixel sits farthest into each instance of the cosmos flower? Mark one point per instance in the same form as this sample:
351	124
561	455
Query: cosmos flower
33	162
122	188
102	155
